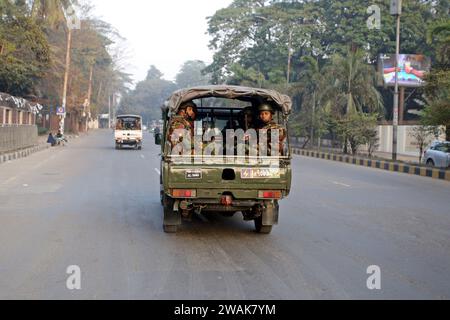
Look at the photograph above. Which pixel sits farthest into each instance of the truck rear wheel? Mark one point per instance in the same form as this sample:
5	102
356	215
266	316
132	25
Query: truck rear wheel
172	219
268	218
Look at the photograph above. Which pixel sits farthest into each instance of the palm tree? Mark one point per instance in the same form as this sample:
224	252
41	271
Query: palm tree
51	11
354	88
311	83
351	87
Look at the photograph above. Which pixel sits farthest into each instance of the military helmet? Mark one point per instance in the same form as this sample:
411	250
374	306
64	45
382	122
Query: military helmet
265	107
248	111
189	104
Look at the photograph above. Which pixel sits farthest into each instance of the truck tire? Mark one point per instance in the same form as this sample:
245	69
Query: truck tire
268	218
172	219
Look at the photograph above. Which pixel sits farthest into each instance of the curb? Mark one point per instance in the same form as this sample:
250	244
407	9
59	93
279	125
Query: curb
22	153
439	174
28	151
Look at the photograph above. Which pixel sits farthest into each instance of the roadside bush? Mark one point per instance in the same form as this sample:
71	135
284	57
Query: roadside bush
357	129
42	131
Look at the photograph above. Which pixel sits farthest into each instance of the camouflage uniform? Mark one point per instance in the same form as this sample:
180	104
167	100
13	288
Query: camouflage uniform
272	125
275	126
178	123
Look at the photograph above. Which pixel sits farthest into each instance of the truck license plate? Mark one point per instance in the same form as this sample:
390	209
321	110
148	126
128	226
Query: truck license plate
260	174
194	175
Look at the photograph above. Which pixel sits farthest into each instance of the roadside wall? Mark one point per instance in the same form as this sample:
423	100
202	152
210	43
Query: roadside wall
16	137
407	145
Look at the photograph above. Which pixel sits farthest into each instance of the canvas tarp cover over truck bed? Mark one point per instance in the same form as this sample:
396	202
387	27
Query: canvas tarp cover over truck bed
228	92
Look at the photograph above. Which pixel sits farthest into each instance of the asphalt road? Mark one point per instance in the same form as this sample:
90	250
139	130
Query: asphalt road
92	206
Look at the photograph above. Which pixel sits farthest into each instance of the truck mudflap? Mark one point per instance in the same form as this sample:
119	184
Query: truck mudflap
172	216
270	214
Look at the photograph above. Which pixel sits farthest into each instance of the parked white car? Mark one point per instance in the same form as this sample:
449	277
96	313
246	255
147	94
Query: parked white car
438	155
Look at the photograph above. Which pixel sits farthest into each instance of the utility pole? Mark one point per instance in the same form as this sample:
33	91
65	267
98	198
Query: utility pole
66	78
87	105
91	76
73	23
396	10
109	111
289	59
114	106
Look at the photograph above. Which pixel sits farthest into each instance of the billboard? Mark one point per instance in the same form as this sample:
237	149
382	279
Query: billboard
412	69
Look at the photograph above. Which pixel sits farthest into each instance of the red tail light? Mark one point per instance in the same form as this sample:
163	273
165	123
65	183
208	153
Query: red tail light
269	194
183	193
226	200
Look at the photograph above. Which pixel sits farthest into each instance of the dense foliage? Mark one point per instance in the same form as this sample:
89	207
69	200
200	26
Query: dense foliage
33	42
324	54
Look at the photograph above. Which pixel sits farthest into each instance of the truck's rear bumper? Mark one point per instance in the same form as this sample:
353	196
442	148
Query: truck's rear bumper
243	195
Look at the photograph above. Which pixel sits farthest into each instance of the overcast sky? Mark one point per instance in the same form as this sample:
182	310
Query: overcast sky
163	33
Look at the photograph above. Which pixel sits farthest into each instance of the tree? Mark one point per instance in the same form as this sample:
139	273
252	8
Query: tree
251	39
358	129
33	55
309	87
437	91
423	136
257	35
191	74
354	87
154	74
25	51
95	75
148	96
351	91
52	12
304	123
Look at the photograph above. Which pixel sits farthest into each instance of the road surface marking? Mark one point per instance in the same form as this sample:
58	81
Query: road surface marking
158	172
142	156
341	184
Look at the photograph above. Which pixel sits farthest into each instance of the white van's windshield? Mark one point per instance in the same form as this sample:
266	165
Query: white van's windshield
129	124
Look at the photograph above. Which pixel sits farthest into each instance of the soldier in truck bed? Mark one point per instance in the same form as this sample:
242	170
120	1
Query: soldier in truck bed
179	122
246	119
266	113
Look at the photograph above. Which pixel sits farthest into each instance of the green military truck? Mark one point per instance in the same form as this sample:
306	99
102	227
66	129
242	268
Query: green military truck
221	164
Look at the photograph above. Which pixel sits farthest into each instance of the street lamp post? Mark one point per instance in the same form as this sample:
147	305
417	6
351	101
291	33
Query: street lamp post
396	10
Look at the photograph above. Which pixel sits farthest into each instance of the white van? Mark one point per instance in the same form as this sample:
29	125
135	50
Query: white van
128	131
